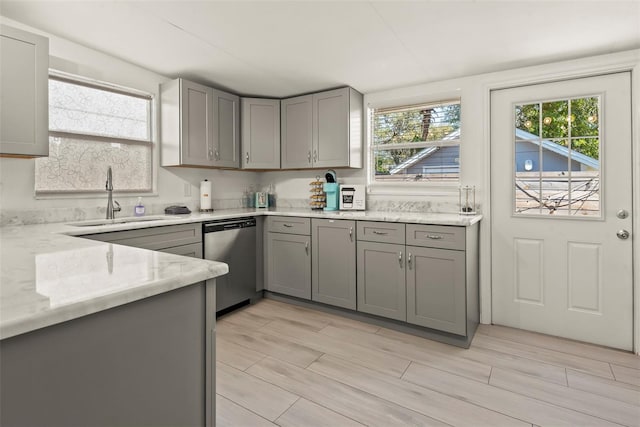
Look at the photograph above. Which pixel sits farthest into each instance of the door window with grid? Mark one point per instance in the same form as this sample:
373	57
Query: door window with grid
557	157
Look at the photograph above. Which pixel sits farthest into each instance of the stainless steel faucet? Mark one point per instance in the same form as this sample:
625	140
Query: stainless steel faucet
109	186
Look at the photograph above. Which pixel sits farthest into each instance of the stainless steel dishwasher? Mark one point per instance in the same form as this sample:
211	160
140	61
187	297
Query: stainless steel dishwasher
233	242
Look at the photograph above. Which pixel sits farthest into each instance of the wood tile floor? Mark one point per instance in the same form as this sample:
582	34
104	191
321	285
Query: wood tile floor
280	364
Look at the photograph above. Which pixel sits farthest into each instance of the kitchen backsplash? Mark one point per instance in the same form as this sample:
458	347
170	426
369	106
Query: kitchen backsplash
57	214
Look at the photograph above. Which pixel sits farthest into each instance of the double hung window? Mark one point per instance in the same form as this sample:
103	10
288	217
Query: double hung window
93	126
415	143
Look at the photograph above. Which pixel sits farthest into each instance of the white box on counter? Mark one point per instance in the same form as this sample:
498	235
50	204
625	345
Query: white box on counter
352	197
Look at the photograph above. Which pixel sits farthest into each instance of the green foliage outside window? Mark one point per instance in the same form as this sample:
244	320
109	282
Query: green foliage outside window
582	120
422	124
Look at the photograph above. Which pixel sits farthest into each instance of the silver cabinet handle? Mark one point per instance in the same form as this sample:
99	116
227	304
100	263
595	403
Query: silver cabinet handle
247	157
433	237
351	233
622	234
217	154
409	260
210	154
287	225
400	258
380	233
315	156
309	157
306	247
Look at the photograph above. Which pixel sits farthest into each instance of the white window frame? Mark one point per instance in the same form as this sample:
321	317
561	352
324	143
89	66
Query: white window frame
410	188
152	142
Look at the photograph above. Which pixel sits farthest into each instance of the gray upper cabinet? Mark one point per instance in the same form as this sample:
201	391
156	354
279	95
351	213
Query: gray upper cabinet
337	128
187	124
333	279
226	129
24	93
297	132
323	130
260	133
436	289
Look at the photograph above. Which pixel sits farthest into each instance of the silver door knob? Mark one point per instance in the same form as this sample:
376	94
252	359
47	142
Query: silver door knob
622	214
622	234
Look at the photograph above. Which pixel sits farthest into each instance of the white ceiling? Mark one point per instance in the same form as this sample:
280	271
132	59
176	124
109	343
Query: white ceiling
281	48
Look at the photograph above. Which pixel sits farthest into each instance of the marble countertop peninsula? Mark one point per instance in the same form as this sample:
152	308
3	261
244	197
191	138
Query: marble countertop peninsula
48	275
48	278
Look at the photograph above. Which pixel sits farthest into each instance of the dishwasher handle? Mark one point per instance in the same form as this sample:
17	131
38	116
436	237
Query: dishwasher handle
211	227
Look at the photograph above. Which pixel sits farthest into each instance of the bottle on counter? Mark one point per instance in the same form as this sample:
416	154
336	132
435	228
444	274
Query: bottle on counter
139	209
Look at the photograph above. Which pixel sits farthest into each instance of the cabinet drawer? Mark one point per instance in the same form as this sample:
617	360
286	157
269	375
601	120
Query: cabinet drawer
289	224
384	232
193	250
154	238
436	236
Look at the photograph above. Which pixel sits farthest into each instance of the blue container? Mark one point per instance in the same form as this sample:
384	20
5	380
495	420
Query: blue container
332	190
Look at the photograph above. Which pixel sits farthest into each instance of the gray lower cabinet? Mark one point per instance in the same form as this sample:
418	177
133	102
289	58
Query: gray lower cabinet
334	262
183	239
381	279
289	264
146	363
436	289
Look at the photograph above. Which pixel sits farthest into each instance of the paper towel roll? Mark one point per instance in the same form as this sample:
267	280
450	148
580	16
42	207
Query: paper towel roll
205	195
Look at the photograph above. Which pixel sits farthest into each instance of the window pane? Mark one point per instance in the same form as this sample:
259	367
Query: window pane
416	124
585	193
528	120
81	109
584	116
418	164
81	165
555	116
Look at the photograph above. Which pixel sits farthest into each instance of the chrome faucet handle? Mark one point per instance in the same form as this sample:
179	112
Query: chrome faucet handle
117	208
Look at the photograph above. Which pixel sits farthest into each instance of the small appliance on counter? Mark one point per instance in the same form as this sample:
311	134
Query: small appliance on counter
176	210
262	199
331	189
352	197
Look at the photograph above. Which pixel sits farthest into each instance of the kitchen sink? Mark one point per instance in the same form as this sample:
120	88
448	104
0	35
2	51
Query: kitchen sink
123	220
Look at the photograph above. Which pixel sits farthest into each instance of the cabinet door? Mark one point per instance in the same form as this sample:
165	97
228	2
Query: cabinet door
381	280
260	133
331	128
436	289
226	129
289	264
196	116
334	262
24	89
297	136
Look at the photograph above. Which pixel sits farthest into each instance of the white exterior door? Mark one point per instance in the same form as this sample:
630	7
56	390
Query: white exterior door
561	201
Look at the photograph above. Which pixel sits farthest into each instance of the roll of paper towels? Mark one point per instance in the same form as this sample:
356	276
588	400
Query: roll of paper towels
205	195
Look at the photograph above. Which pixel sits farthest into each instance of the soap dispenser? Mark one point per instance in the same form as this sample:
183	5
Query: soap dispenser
138	210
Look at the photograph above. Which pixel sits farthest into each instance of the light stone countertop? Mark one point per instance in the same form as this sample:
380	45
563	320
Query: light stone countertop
48	276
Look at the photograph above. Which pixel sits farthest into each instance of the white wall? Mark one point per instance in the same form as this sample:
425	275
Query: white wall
17	197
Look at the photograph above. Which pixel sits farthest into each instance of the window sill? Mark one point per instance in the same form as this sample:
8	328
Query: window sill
414	189
94	196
